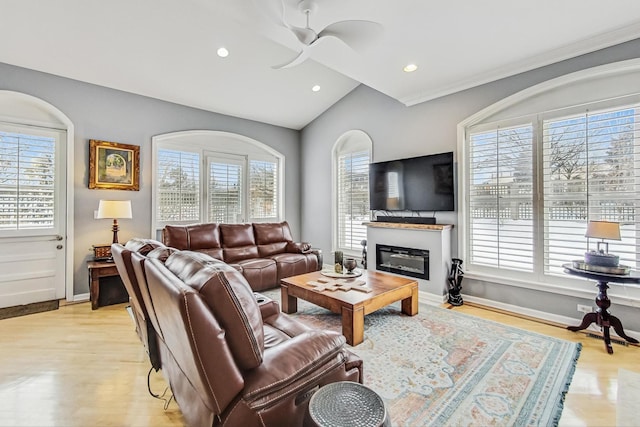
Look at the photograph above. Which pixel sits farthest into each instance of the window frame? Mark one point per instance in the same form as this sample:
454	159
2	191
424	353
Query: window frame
214	144
60	165
351	142
612	84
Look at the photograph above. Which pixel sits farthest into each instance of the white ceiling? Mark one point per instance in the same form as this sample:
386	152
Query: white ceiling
165	49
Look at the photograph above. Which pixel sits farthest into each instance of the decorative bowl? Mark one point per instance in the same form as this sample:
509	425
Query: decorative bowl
350	264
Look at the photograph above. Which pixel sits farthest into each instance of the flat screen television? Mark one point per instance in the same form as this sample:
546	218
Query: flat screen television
424	183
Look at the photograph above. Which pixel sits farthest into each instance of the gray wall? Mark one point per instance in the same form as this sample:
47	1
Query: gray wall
111	115
398	131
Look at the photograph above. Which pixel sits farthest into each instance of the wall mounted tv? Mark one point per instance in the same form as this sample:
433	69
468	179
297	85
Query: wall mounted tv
424	183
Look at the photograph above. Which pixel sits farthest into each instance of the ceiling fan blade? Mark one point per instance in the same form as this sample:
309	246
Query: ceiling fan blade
302	56
355	34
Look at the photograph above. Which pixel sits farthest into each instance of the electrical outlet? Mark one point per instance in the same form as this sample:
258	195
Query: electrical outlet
584	308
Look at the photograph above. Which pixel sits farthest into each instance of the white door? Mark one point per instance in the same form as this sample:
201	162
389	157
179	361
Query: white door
32	214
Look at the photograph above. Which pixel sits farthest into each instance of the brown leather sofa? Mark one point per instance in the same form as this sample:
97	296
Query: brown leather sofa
263	252
232	358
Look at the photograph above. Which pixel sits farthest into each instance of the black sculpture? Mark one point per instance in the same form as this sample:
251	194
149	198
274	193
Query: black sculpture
364	253
455	282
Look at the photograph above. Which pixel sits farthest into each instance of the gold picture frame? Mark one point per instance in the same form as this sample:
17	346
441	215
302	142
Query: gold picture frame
114	166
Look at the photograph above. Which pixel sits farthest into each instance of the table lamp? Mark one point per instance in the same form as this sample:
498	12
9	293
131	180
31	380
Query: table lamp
114	209
602	230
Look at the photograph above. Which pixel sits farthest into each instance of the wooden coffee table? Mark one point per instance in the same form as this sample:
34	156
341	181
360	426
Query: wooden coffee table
353	305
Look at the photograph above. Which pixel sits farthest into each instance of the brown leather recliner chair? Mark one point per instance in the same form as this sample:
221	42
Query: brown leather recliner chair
144	328
234	359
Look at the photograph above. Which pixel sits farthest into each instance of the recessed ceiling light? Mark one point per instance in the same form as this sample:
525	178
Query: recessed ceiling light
410	68
316	88
223	52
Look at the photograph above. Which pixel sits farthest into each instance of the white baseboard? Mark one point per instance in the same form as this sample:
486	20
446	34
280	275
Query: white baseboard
431	299
541	315
81	297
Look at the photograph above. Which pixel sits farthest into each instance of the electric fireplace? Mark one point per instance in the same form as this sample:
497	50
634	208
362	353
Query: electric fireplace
405	261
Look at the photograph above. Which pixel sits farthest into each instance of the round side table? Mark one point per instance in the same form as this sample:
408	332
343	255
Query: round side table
346	404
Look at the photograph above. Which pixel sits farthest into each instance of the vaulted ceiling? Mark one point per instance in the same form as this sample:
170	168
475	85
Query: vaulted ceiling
166	49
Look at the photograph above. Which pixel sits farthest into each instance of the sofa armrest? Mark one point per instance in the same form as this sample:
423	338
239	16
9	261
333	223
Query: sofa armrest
318	253
298	248
268	307
303	357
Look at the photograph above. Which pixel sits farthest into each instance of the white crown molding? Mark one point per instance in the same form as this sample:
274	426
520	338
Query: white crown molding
562	53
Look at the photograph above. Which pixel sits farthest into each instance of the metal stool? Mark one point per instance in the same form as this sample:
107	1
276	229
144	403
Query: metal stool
345	404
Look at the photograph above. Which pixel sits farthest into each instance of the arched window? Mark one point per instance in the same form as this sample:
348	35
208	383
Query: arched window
352	154
542	163
210	176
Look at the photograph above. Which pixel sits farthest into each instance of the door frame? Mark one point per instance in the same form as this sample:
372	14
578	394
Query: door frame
58	120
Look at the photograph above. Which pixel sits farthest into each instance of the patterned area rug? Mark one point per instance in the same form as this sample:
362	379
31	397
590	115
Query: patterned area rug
446	368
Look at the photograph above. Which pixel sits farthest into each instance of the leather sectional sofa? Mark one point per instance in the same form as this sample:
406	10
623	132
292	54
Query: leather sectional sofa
230	356
263	252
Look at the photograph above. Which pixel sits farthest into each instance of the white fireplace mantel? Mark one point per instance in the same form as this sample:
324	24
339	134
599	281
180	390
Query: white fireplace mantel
436	238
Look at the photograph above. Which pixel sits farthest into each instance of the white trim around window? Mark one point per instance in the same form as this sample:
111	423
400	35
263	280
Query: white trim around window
208	145
357	147
613	87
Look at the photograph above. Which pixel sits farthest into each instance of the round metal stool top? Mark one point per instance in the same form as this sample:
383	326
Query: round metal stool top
345	404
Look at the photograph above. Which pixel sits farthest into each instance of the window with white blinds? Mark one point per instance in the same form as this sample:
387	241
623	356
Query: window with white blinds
263	190
591	171
178	186
27	184
225	191
352	198
501	198
239	183
532	187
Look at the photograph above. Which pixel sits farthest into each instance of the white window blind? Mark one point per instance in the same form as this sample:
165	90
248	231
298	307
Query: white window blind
353	199
27	187
501	221
263	190
178	175
591	172
225	191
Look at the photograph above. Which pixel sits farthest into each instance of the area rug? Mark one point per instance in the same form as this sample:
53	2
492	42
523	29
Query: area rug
442	368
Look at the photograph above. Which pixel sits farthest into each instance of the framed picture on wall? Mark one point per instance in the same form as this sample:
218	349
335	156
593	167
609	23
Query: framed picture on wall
114	166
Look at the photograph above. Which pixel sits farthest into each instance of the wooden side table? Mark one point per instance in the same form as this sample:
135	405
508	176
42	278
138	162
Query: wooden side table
98	269
601	316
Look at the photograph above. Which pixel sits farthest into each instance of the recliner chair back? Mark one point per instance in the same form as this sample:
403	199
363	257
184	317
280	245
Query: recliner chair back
122	258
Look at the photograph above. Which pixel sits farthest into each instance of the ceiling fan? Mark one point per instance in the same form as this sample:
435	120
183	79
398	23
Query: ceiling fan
357	34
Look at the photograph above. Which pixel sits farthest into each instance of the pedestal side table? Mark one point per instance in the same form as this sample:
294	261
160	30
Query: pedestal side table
601	316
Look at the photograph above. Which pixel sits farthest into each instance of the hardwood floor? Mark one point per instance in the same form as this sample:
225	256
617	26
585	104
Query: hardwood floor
78	367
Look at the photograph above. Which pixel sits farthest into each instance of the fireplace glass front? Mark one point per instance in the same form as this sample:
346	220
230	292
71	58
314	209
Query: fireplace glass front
406	261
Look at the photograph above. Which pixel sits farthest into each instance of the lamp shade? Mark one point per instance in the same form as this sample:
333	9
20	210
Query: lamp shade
114	209
603	230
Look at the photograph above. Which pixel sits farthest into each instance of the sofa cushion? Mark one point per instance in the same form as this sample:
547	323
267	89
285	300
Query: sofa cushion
294	264
260	273
237	242
272	232
237	235
272	238
192	237
229	297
